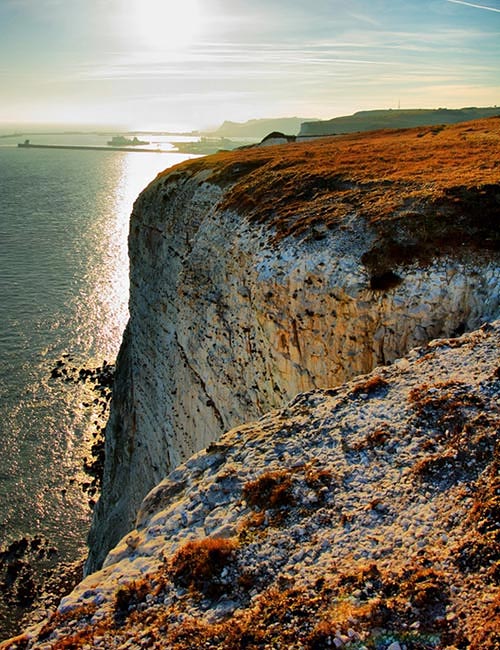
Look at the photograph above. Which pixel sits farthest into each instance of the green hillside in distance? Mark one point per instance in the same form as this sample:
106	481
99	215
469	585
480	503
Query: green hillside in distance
394	119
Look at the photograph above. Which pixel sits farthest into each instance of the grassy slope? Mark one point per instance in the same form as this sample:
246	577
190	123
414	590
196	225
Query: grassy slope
426	191
383	119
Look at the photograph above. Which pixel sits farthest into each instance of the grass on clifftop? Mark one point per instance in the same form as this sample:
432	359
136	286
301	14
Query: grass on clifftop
425	191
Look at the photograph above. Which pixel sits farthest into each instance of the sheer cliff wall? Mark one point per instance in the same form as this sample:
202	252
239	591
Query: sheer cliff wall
245	291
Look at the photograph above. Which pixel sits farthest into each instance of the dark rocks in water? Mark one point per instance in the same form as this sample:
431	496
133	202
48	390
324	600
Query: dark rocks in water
94	468
101	377
100	380
27	565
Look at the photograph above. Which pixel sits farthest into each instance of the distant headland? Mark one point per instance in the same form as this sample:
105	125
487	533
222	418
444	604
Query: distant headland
395	119
360	121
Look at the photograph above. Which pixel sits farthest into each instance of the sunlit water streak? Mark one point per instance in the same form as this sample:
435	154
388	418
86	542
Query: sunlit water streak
63	290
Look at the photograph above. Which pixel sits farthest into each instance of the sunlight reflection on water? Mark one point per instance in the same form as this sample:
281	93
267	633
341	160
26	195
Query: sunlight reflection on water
64	283
137	171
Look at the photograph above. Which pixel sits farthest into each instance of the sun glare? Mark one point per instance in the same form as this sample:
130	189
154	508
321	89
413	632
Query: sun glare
164	24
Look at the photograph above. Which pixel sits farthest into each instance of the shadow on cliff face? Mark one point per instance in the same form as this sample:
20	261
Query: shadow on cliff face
464	219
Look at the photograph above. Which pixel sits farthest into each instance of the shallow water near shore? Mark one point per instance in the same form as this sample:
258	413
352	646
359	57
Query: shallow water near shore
64	291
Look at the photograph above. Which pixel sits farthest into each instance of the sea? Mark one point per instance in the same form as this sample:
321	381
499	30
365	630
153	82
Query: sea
64	217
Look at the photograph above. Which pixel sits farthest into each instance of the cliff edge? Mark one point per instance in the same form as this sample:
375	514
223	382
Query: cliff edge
263	273
361	517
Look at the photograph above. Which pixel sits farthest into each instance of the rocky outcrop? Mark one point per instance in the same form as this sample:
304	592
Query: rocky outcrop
276	137
365	516
258	128
264	273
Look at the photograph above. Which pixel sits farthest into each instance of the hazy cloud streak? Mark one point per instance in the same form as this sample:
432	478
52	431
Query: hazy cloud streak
471	4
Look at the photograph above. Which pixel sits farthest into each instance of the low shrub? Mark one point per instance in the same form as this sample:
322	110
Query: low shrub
269	490
198	565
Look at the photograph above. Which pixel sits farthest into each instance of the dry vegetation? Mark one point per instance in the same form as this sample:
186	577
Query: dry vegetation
371	385
353	603
425	190
199	565
464	436
374	439
364	606
270	490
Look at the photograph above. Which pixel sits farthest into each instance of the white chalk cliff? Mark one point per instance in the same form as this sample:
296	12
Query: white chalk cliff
231	316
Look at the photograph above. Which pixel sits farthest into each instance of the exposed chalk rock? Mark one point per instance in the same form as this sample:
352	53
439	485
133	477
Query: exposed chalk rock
364	514
261	274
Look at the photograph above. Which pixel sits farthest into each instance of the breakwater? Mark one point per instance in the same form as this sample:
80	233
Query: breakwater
29	145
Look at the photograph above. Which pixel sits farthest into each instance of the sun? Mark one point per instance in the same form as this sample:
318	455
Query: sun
164	24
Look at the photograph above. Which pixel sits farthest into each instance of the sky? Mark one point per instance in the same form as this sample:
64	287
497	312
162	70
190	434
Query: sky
189	64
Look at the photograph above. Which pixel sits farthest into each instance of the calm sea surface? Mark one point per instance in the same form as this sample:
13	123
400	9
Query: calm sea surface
63	291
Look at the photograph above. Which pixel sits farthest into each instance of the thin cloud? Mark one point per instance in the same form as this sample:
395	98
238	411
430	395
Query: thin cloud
227	61
364	18
471	4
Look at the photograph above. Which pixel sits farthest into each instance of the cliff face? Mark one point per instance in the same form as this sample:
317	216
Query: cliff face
365	516
264	273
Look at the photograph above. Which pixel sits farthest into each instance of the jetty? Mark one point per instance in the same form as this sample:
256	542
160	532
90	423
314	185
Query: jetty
28	145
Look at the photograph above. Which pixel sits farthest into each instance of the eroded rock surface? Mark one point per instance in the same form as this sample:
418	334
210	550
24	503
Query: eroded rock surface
365	516
264	273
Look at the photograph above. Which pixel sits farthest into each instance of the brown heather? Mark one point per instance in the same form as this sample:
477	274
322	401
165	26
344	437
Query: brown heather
386	602
269	490
425	191
370	385
198	565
